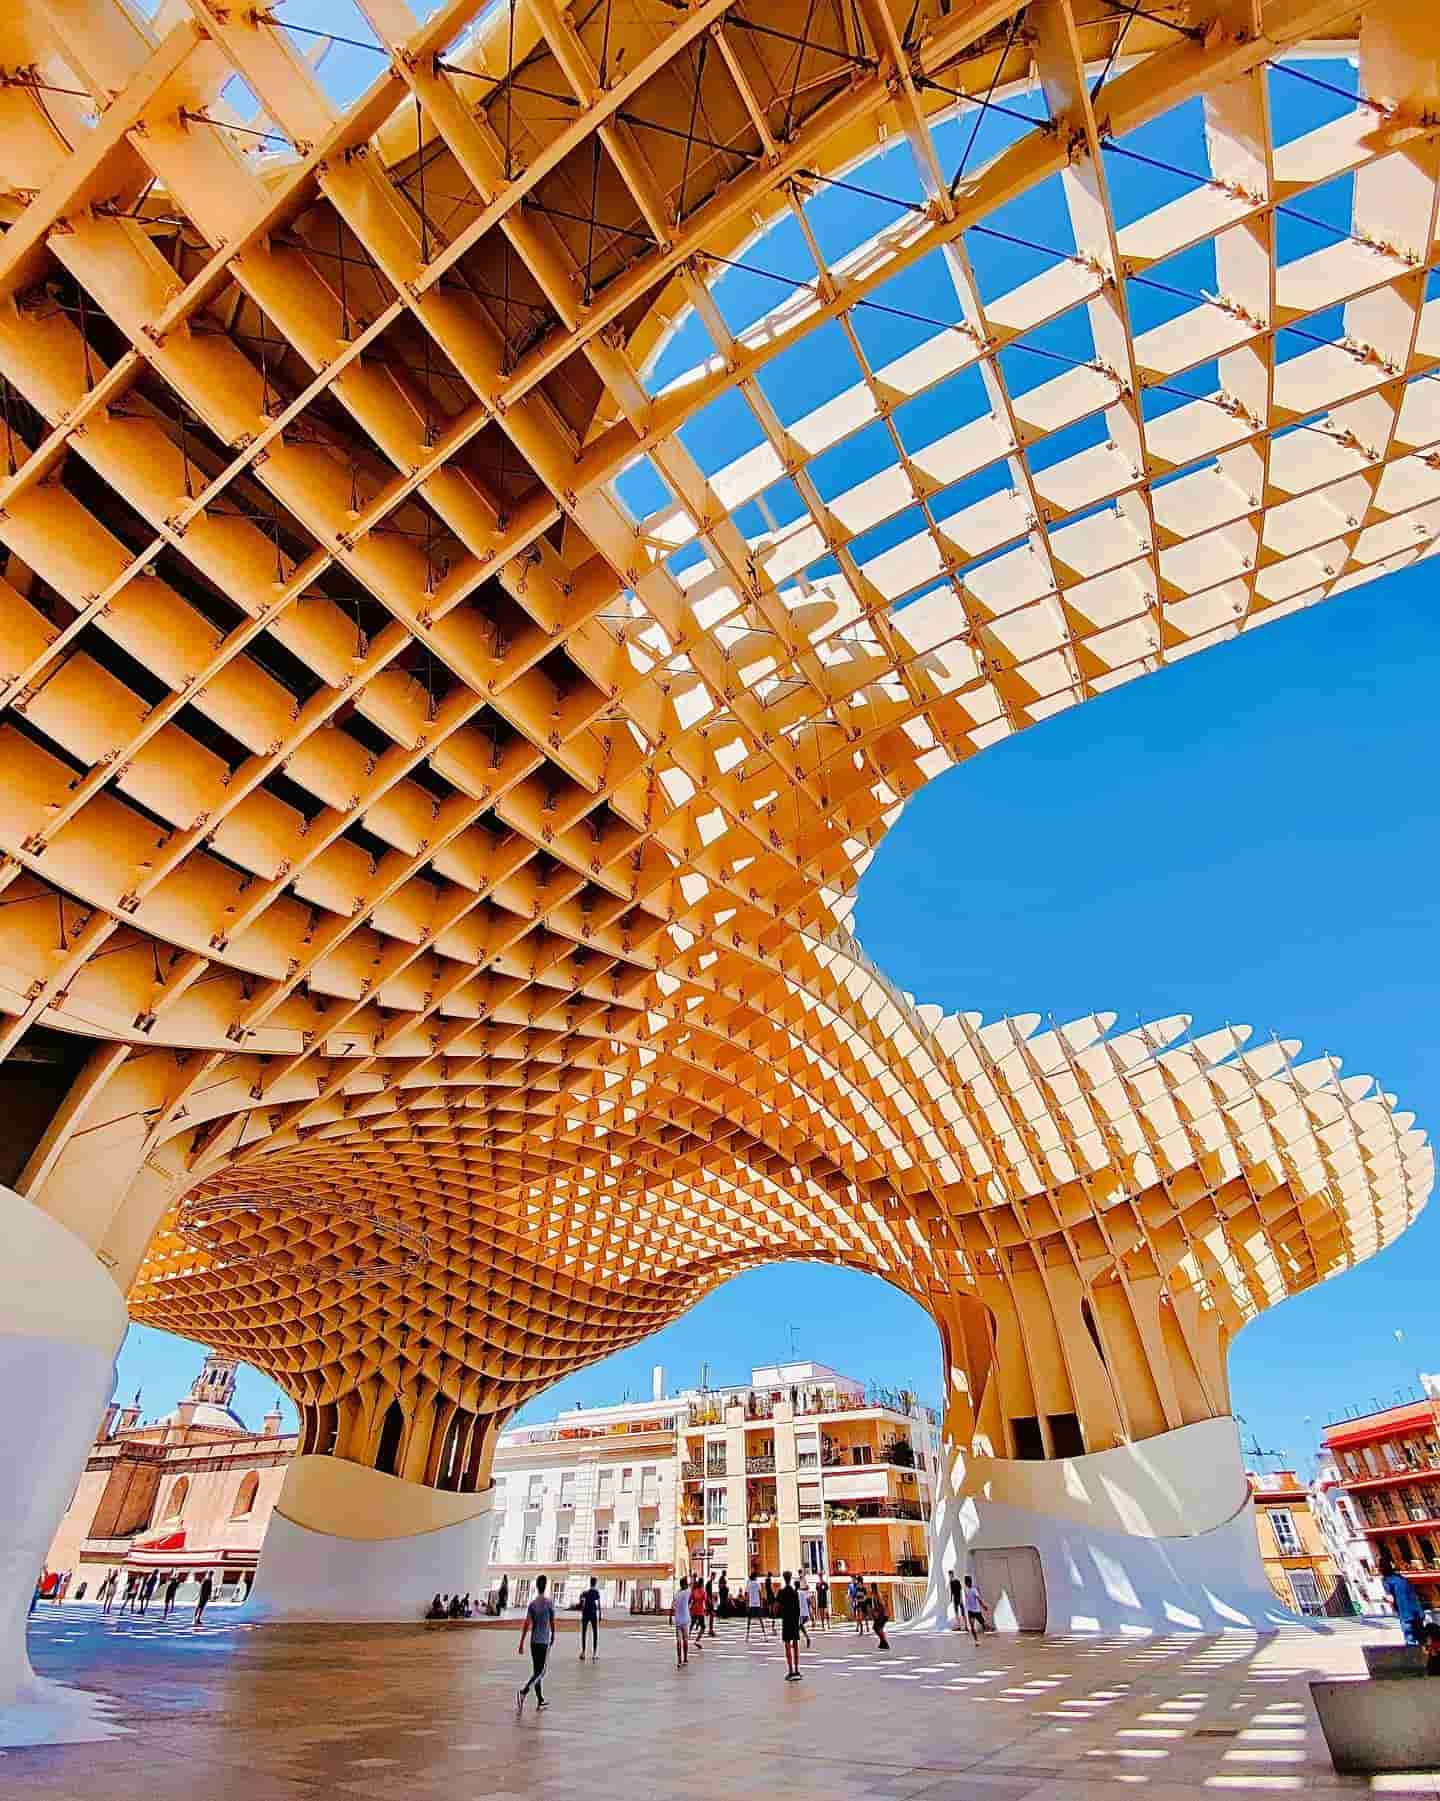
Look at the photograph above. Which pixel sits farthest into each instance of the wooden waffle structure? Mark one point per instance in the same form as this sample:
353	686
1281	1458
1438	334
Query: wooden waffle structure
448	864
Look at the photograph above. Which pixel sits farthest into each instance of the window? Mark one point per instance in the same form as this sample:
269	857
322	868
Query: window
495	1547
861	1454
810	1506
649	1486
1028	1441
177	1499
1372	1462
715	1507
812	1555
522	1590
624	1539
1282	1525
807	1451
245	1499
537	1491
498	1504
606	1497
527	1548
648	1544
1306	1591
562	1547
715	1457
1425	1547
621	1589
627	1481
602	1544
567	1489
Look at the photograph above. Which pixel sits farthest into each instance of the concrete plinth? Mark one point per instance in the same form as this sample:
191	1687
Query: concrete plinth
346	1543
1157	1536
61	1322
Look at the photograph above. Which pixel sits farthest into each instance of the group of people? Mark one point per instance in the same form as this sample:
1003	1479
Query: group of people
140	1590
868	1609
449	1607
693	1611
969	1606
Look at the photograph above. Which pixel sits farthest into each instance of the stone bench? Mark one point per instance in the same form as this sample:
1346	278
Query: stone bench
1386	1724
1384	1661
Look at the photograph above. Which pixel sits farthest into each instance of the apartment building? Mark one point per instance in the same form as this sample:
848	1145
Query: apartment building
1297	1559
592	1492
1341	1525
798	1468
802	1468
1389	1467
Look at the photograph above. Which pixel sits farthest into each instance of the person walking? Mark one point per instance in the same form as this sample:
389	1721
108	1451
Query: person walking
957	1599
974	1610
879	1615
680	1614
822	1603
853	1590
107	1591
697	1610
171	1589
207	1588
590	1619
1406	1602
769	1595
789	1608
802	1588
710	1605
504	1600
723	1603
539	1627
753	1607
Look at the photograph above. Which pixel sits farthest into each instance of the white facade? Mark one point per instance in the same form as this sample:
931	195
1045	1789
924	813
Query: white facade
591	1493
1345	1538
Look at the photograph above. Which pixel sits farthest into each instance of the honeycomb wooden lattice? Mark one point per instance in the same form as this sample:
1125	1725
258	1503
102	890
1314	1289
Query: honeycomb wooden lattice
452	859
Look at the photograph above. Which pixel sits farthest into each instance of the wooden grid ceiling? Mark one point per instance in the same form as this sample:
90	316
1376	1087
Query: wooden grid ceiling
467	862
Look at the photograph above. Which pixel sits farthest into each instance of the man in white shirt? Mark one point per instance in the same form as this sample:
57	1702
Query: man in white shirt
680	1614
753	1608
974	1609
802	1588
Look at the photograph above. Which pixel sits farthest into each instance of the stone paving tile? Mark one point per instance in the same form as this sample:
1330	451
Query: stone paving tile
293	1714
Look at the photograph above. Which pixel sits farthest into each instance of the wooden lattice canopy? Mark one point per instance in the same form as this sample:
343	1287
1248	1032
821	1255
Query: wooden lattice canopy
450	855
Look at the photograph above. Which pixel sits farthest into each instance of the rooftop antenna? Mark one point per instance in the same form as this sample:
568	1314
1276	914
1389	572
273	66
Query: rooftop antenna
794	1346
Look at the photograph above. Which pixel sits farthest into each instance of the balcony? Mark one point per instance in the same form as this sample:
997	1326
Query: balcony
857	1513
692	1472
759	1466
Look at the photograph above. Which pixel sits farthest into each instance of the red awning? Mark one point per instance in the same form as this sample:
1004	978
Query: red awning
169	1541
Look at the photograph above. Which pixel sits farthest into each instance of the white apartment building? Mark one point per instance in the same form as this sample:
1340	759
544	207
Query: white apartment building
592	1492
1344	1535
799	1468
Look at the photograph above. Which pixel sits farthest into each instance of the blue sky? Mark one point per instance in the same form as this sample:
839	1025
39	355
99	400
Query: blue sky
1249	836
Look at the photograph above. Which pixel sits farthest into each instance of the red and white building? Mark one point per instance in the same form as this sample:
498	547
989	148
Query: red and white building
1388	1465
188	1493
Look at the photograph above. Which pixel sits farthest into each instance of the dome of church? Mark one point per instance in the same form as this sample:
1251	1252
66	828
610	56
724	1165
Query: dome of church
206	1414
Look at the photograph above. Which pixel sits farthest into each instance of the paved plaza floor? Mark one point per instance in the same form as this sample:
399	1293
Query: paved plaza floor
292	1714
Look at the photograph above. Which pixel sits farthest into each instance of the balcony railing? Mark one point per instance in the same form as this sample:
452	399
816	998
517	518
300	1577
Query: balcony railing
759	1466
692	1472
854	1513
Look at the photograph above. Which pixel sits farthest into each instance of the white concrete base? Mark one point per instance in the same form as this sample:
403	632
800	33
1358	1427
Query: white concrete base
1157	1536
61	1322
346	1543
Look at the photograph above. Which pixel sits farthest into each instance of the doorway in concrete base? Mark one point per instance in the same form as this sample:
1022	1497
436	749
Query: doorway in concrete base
1013	1584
